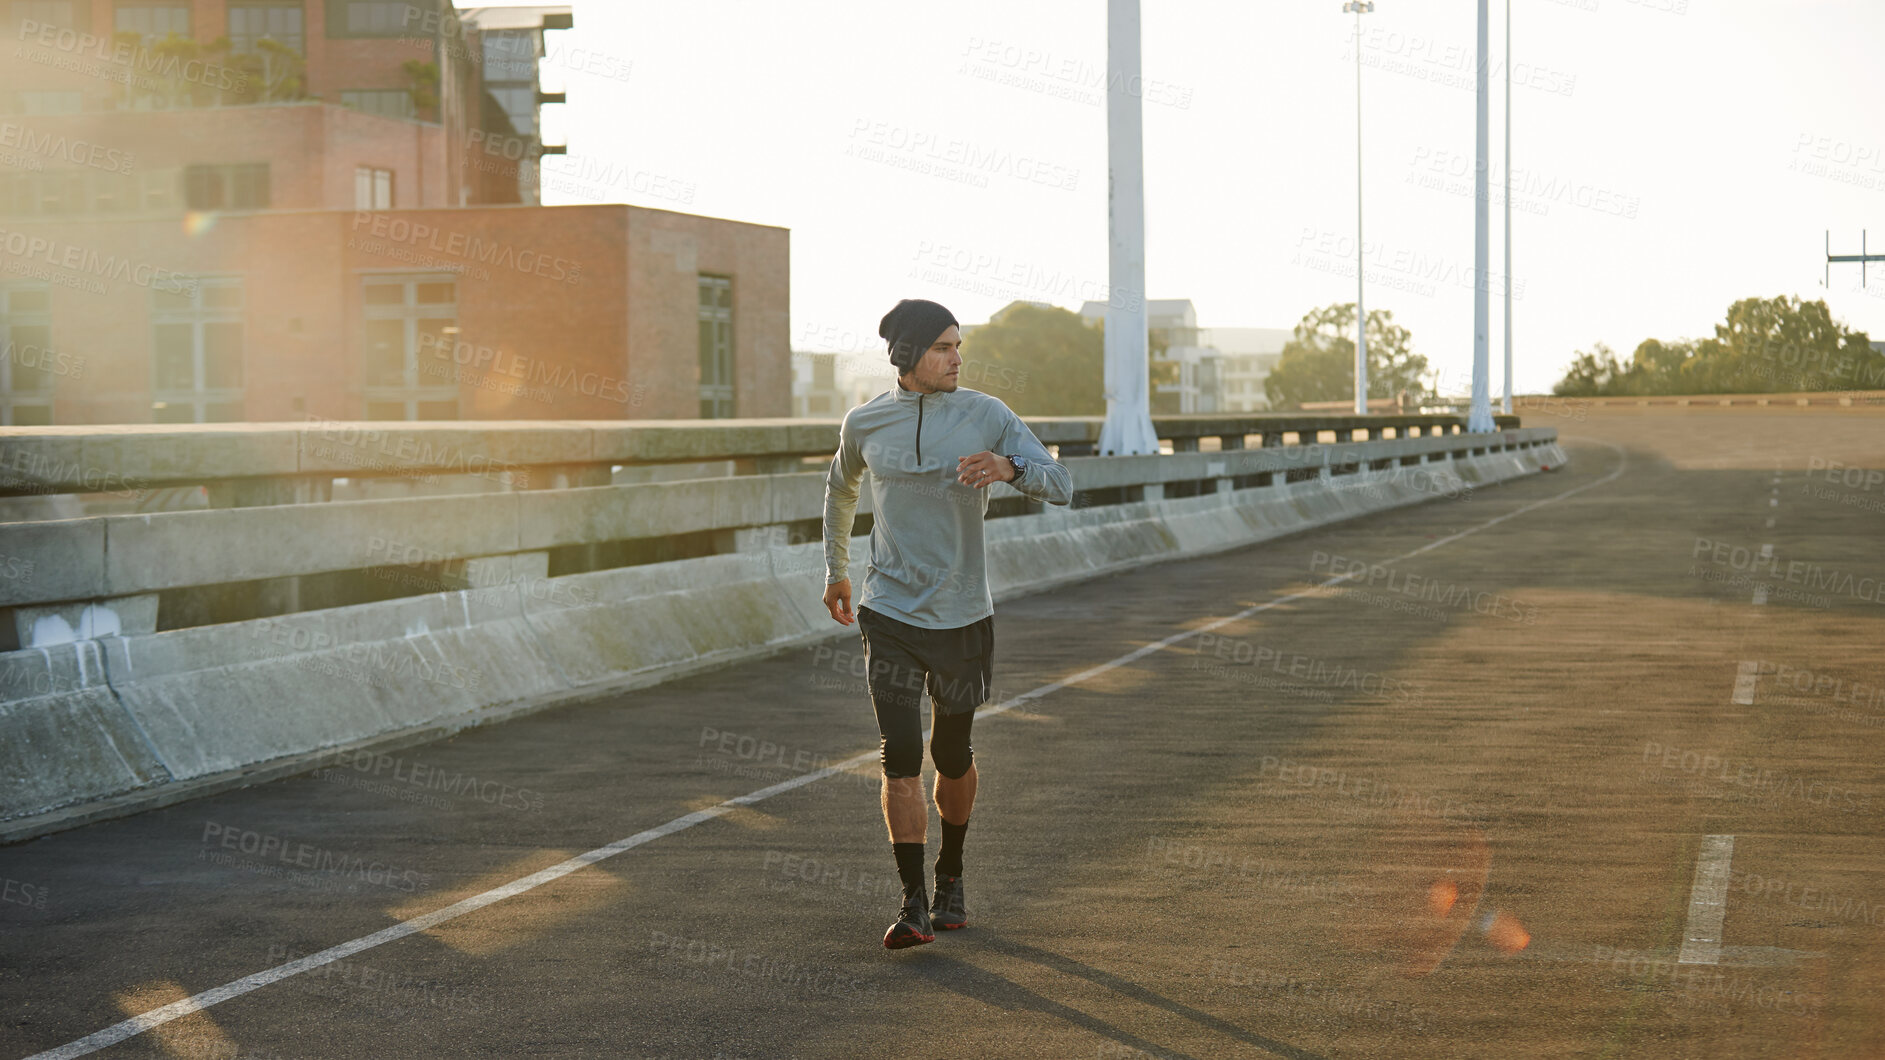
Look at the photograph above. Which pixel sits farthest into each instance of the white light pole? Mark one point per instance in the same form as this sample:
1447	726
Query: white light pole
1479	417
1507	406
1128	426
1359	7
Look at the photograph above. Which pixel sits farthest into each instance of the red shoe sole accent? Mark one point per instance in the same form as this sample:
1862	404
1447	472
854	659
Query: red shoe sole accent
952	927
907	941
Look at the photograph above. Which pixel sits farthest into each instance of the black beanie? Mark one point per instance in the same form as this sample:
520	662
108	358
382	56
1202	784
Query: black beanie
910	328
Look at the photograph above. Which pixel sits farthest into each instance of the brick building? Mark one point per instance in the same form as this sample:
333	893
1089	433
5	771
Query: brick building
223	210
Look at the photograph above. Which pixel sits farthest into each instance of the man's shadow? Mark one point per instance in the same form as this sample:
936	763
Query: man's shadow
984	986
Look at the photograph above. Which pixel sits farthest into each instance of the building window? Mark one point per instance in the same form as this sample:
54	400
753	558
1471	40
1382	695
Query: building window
519	104
716	347
281	23
510	55
38	102
372	188
382	18
46	12
153	21
67	193
386	102
26	356
237	187
196	353
409	325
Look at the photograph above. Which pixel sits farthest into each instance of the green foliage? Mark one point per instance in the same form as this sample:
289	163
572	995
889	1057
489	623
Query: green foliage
423	81
275	73
1040	360
1318	364
1767	345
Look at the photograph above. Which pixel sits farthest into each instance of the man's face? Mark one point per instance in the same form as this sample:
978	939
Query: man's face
940	365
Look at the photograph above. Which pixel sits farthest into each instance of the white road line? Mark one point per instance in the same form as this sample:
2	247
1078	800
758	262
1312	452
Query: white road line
1767	552
1760	595
156	1017
1744	682
1773	502
1708	902
1770	522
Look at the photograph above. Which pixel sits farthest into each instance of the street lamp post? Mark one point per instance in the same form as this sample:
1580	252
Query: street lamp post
1359	7
1479	417
1507	406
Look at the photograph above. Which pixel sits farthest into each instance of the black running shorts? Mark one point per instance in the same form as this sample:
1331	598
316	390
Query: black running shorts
954	665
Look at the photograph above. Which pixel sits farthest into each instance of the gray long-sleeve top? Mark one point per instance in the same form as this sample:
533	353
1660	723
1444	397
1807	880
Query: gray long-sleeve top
928	561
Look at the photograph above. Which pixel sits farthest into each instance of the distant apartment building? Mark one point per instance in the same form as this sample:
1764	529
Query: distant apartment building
1246	358
273	210
827	385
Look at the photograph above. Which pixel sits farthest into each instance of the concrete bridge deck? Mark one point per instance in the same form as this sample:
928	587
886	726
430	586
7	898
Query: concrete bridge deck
1584	768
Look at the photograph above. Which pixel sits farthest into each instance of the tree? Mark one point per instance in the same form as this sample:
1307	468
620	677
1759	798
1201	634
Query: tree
1040	360
1767	345
1318	364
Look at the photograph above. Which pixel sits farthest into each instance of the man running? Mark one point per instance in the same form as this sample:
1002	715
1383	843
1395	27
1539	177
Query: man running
925	613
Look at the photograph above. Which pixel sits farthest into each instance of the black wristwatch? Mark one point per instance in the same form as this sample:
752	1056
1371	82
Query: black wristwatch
1020	465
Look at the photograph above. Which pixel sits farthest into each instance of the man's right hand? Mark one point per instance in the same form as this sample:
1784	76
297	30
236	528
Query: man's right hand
838	602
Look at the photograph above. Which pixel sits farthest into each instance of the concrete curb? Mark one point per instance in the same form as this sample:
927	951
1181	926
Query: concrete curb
110	727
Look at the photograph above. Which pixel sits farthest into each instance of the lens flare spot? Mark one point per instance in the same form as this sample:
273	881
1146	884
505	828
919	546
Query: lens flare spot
1506	934
198	222
1441	896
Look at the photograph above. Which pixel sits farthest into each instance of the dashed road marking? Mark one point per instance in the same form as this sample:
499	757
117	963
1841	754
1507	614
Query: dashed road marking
1708	902
1744	683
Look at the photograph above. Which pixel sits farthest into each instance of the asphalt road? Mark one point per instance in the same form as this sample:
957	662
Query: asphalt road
1546	781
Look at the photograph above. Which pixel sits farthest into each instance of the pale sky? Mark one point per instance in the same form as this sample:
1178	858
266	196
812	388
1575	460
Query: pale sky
1668	156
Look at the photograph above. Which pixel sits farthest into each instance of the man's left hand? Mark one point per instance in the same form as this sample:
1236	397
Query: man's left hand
983	468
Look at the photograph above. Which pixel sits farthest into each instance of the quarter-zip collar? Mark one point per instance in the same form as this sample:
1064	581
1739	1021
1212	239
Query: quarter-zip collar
919	399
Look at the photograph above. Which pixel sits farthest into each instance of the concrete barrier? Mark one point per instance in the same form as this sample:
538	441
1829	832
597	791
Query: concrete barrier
105	727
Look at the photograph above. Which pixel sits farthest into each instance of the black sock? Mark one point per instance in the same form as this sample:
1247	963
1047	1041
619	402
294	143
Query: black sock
949	860
909	866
